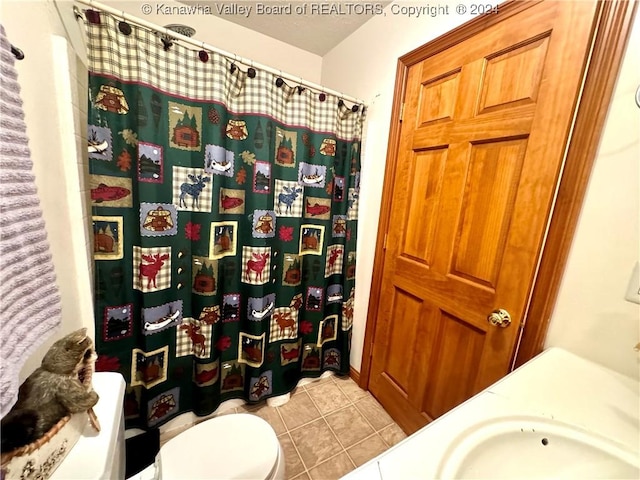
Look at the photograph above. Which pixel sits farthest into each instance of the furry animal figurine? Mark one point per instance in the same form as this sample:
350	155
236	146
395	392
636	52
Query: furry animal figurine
59	387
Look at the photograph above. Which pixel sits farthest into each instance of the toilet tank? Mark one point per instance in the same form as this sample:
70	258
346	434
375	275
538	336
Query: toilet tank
100	455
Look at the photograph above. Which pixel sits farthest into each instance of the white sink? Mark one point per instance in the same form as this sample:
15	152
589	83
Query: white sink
521	446
558	416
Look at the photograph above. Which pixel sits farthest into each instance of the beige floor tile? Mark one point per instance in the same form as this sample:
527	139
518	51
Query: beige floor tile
332	469
293	464
298	411
208	417
392	434
271	415
328	397
231	411
319	381
315	442
350	388
247	408
373	412
364	451
303	476
349	426
298	391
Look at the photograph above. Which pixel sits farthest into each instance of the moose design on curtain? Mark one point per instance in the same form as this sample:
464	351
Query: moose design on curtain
224	219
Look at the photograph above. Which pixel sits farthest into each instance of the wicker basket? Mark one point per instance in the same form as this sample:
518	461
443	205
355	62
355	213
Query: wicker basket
39	459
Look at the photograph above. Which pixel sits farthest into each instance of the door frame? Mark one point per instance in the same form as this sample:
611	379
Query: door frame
612	29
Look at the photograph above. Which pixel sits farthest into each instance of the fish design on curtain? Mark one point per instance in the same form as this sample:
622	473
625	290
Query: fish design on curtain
224	218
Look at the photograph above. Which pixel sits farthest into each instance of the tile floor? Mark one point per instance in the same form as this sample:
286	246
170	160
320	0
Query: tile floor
328	428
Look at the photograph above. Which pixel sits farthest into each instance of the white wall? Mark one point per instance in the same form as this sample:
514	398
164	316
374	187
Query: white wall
364	66
55	114
232	38
592	318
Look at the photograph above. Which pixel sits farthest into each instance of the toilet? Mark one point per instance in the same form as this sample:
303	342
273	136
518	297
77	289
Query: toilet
240	446
99	455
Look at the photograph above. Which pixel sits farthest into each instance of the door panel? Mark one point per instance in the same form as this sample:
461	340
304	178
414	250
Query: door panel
438	98
525	63
425	186
458	351
493	176
405	309
480	148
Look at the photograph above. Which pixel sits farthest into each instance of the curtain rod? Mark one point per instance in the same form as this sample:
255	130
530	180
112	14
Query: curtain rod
230	56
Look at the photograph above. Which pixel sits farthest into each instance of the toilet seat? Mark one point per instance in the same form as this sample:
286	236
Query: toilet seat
238	446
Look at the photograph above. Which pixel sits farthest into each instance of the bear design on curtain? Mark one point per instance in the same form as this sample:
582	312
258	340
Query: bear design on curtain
224	209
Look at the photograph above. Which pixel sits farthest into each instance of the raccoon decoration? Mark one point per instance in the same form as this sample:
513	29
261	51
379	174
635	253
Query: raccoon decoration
59	387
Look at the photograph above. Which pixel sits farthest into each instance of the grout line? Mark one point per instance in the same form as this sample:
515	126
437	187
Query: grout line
315	420
327	424
349	456
350	403
307	423
286	429
375	434
347	395
334	456
389	427
365	417
304	465
332	411
322	416
383	440
335	435
318	382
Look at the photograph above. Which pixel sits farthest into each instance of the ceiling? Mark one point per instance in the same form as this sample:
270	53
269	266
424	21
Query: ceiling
324	25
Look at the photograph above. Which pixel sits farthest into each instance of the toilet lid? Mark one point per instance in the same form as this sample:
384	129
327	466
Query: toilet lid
238	446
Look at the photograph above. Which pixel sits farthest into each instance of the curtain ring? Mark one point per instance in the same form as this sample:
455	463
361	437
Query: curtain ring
123	25
203	55
77	13
251	72
279	80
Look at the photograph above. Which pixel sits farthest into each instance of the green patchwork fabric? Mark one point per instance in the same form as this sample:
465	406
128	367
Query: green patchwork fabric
224	227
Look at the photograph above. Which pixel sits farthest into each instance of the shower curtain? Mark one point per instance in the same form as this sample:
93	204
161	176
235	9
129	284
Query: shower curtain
224	207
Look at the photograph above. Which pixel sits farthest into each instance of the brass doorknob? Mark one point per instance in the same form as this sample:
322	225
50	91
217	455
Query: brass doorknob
499	318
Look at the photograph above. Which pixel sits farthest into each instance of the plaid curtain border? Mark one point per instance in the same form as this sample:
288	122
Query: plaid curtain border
140	57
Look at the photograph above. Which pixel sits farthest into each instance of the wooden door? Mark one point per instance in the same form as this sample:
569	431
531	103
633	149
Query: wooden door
483	136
